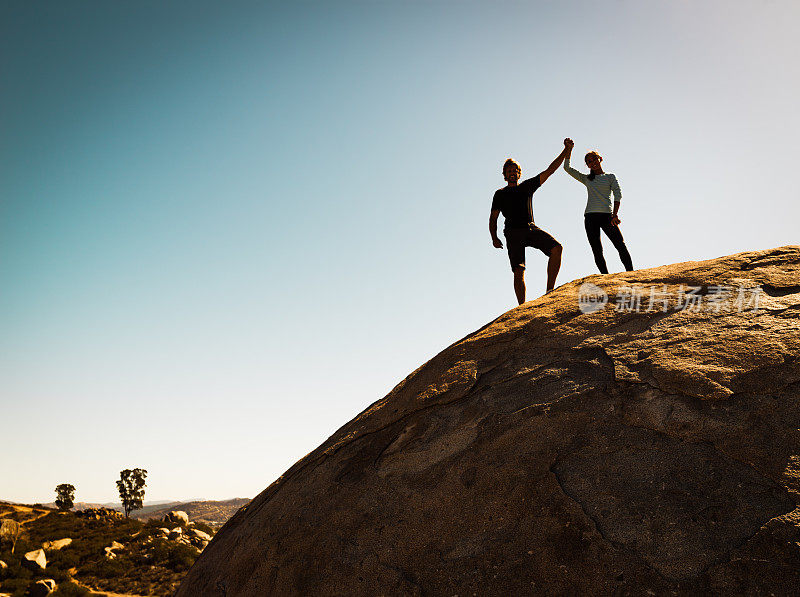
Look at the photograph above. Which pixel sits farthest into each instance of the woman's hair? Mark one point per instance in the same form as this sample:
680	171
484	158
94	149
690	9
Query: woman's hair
599	159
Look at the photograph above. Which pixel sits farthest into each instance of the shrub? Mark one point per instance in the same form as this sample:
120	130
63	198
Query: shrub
64	558
201	526
15	567
159	552
155	523
18	587
106	568
70	589
181	557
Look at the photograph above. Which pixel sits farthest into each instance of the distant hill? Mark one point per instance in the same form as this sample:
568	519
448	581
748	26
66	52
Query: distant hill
148	506
212	513
84	506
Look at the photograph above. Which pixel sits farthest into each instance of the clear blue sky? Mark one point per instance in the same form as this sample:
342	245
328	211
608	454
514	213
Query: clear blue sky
226	228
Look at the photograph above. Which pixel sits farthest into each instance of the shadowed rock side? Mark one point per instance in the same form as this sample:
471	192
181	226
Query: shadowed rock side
557	452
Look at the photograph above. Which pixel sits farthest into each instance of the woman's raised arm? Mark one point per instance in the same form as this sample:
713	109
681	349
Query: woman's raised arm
572	171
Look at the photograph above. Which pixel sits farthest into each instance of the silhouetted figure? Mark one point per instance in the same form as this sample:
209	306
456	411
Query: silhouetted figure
515	202
598	214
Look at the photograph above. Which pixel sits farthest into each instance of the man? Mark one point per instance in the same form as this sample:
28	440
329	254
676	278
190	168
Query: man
515	202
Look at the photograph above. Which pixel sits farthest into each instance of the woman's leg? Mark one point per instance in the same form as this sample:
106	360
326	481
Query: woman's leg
592	226
615	236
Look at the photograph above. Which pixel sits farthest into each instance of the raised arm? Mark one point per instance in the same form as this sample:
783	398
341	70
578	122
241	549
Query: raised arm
556	163
572	171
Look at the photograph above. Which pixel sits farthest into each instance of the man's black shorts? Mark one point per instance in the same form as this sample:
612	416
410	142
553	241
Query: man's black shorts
532	236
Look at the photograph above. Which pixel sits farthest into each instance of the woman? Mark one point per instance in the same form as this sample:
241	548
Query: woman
598	214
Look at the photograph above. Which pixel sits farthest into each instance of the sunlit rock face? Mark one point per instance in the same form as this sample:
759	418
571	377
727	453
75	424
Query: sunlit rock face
611	446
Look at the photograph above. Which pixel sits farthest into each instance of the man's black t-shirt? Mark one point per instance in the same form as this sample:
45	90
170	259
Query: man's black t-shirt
515	203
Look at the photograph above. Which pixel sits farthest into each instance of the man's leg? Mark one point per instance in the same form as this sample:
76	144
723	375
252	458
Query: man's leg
544	241
553	265
615	235
515	243
593	234
519	284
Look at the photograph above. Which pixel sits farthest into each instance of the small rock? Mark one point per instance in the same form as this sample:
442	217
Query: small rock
34	559
56	545
176	533
100	513
200	534
3	568
42	588
164	531
110	550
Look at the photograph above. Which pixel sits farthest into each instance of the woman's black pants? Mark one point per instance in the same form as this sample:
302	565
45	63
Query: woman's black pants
594	222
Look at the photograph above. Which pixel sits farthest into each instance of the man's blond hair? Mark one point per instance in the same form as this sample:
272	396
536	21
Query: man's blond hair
510	163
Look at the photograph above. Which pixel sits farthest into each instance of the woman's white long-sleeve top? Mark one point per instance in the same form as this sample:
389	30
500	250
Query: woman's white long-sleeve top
599	190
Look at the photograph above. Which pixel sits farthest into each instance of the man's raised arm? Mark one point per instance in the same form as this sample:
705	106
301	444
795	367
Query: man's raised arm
556	163
569	169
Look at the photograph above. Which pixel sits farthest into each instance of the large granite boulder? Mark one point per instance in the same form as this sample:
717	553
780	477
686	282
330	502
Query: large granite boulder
587	442
177	516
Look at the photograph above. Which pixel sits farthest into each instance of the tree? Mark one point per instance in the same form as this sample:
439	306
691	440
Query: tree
65	496
10	530
131	488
